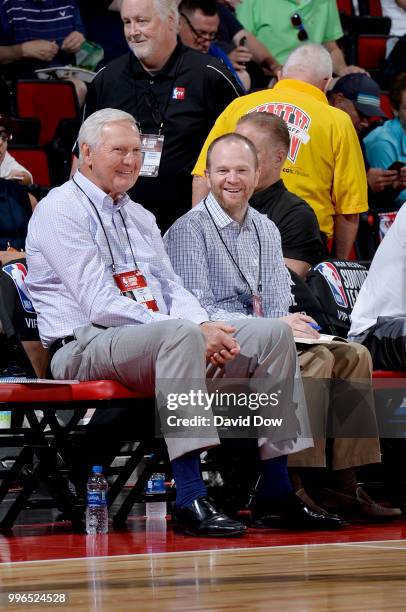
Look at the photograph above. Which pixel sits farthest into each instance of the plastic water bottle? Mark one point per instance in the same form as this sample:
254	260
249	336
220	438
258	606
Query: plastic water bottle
155	489
97	515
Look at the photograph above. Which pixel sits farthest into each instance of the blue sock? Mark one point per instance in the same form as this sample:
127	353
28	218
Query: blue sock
275	482
188	479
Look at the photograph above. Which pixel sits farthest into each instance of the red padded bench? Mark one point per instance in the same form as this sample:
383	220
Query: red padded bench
46	438
380	378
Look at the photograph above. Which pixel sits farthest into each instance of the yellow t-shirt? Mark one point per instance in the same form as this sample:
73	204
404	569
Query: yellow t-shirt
325	166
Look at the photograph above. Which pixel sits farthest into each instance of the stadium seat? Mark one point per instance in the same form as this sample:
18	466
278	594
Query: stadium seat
25	132
35	160
49	101
386	105
345	7
375	8
371	50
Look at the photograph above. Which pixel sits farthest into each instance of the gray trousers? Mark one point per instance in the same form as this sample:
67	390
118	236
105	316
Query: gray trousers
139	356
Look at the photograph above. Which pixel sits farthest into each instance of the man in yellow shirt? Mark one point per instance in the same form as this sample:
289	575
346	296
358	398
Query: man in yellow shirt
325	166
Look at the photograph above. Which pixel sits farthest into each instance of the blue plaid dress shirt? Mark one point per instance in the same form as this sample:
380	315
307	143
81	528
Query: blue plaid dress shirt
200	258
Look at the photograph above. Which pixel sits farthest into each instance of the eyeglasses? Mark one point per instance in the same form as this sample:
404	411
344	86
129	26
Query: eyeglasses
5	137
297	22
198	33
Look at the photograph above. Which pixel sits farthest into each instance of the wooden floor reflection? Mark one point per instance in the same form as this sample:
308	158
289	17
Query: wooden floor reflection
367	576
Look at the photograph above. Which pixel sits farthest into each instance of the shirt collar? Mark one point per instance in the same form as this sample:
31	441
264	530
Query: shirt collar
222	219
278	186
306	88
97	196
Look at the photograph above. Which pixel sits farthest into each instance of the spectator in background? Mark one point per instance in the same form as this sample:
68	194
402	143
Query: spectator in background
39	34
302	246
103	25
9	168
284	25
386	144
198	27
396	11
244	49
379	314
174	93
16	204
325	165
359	96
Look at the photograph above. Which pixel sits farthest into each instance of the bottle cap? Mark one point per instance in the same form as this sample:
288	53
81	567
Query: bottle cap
97	469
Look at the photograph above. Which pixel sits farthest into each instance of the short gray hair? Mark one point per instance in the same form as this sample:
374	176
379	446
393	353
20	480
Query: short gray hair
165	7
91	129
310	63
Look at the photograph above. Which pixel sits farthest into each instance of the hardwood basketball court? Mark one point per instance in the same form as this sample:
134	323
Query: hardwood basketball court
357	568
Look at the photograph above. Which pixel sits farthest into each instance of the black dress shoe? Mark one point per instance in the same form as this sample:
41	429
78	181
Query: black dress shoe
290	512
202	519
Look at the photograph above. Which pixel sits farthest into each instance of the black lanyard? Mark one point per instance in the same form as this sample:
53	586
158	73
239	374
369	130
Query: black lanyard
259	283
152	101
113	265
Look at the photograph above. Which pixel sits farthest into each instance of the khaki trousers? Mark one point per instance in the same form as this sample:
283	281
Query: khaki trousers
326	370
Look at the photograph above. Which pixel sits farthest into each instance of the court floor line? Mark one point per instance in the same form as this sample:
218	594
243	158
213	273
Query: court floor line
372	545
206	551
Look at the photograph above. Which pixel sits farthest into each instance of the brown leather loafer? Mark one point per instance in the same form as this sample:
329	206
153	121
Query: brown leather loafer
358	507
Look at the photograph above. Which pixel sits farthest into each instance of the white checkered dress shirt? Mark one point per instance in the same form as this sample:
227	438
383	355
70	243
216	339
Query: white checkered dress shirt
70	276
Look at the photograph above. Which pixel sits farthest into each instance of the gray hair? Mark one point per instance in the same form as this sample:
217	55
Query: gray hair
310	63
91	129
166	7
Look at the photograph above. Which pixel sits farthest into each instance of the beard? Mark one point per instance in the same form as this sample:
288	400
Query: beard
141	50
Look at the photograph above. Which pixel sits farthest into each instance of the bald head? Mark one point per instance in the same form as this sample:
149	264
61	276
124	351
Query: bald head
311	64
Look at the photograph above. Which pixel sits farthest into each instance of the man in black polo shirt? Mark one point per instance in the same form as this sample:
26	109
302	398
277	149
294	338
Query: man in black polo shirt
174	93
302	245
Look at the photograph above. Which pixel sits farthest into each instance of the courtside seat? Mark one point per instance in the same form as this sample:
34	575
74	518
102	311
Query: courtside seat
89	391
388	374
388	379
47	439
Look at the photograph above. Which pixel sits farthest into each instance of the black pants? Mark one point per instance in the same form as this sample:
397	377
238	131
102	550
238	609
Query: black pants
387	343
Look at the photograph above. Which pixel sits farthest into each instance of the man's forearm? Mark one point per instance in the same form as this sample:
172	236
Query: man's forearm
337	57
260	53
300	267
199	189
10	54
345	232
